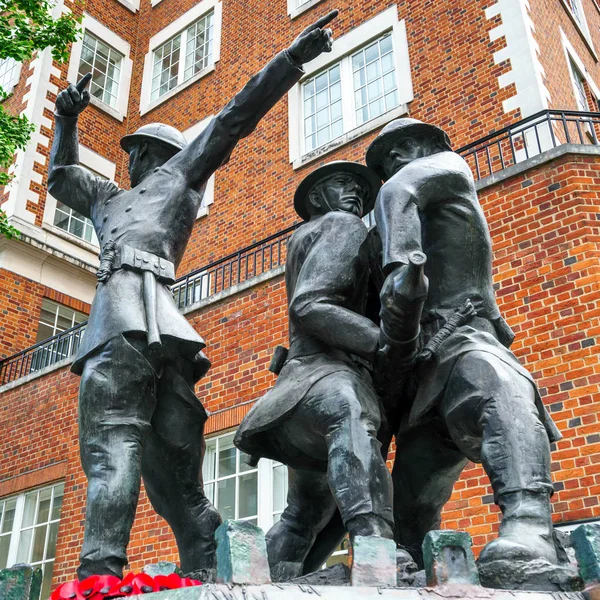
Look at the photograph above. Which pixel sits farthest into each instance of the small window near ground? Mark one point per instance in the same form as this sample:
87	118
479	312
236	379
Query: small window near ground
29	530
56	318
239	491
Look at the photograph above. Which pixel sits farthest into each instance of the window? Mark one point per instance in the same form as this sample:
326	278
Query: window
106	56
183	52
373	92
352	90
29	529
579	86
104	63
577	10
9	74
238	491
55	318
297	7
70	220
183	56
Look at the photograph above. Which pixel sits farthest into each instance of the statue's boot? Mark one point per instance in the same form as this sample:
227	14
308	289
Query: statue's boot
369	525
526	532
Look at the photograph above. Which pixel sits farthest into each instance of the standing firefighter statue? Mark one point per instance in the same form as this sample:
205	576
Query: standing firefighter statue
140	358
322	416
471	398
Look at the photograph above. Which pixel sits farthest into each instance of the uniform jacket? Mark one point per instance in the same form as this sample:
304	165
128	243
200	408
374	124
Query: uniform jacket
327	274
158	215
431	205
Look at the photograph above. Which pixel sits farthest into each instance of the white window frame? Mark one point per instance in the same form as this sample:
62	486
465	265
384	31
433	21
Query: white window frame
132	5
17	528
386	21
111	39
581	23
209	193
90	159
295	9
173	29
16	74
572	57
266	512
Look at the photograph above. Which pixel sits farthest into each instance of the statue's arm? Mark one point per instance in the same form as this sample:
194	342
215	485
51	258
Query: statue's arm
327	279
213	147
67	182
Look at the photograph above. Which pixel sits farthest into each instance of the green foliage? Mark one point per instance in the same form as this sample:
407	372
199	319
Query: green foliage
25	27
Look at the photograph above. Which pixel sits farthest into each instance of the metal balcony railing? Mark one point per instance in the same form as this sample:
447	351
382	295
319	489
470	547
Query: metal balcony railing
495	152
529	137
254	260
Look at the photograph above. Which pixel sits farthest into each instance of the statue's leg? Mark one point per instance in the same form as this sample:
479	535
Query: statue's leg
172	469
426	466
491	413
310	507
116	401
345	410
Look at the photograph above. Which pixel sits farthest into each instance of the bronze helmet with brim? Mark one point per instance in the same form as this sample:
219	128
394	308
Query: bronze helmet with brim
395	131
155	132
371	181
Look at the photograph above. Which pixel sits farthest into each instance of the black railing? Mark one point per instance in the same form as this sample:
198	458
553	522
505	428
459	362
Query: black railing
254	260
259	258
529	137
495	152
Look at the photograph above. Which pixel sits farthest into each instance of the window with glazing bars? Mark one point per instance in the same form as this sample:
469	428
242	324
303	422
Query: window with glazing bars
357	89
238	491
170	68
29	530
104	63
8	67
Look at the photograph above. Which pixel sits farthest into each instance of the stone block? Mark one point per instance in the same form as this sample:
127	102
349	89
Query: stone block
373	562
161	568
241	554
20	582
449	559
586	542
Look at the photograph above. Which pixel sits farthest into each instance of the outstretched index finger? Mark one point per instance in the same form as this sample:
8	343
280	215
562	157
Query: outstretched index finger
326	19
83	82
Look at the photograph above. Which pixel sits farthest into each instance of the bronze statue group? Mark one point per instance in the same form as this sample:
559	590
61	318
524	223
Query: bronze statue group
393	332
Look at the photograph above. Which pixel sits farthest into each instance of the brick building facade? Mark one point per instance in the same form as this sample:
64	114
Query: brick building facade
498	76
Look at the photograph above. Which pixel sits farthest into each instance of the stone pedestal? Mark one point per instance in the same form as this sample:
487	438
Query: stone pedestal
449	559
20	582
373	562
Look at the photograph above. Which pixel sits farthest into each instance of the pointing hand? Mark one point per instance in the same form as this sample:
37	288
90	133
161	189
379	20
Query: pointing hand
73	100
313	41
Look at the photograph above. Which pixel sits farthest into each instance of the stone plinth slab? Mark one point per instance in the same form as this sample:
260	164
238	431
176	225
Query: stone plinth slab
20	582
373	562
586	542
449	559
241	554
304	592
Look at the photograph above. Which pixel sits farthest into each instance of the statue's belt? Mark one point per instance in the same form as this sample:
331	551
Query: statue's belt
128	257
150	266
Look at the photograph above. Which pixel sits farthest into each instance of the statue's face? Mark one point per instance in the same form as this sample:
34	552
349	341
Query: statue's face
404	151
341	192
137	166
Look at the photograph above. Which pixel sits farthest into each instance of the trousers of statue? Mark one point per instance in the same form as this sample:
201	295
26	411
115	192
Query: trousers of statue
139	418
336	422
488	415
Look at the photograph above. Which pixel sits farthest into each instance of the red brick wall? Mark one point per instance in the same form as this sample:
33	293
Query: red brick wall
20	307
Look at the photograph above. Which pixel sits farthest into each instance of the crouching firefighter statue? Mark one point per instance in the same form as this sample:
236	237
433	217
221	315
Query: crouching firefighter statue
467	397
322	416
140	358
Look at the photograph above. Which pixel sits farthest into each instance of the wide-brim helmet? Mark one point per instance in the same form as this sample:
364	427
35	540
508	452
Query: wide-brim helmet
371	180
395	131
156	132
